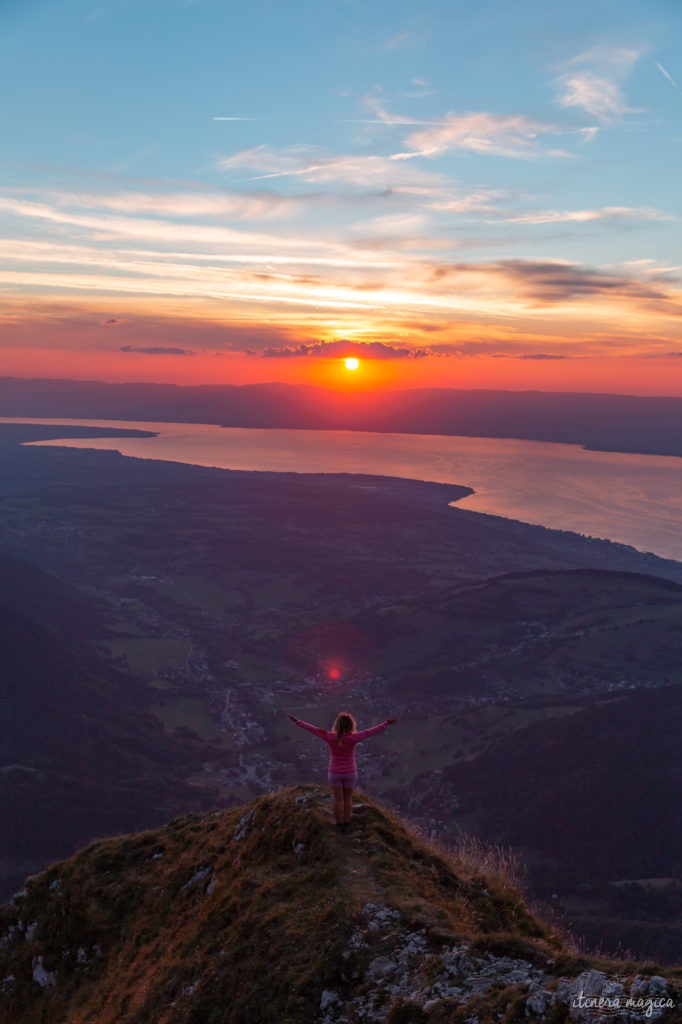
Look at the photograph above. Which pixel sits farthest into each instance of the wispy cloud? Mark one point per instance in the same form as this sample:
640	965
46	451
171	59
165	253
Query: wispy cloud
537	356
594	81
394	263
604	213
141	229
179	203
511	135
314	165
666	74
515	135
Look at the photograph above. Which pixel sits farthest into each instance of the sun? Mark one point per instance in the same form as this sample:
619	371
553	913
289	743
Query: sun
352	363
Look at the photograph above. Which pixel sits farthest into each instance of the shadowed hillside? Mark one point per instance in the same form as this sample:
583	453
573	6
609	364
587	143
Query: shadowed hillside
81	755
265	914
520	635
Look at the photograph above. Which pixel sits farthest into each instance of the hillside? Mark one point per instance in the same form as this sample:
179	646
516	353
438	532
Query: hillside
536	634
265	915
593	799
81	754
622	761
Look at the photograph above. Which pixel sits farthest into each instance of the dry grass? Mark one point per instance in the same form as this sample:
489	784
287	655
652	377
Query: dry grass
499	864
242	917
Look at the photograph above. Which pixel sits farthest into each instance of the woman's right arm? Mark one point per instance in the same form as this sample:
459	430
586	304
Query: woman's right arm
308	727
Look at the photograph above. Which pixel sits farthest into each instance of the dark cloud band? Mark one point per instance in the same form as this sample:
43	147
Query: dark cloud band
342	349
157	350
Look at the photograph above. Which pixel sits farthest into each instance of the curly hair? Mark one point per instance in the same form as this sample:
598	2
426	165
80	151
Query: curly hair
344	724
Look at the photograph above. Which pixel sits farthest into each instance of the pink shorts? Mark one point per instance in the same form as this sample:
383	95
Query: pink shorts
344	779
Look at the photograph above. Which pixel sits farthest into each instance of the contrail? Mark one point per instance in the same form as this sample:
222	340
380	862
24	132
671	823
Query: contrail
666	74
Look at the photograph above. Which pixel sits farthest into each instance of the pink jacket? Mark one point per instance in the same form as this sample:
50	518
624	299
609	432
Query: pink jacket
342	755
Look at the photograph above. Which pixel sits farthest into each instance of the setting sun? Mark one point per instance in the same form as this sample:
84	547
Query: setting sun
352	363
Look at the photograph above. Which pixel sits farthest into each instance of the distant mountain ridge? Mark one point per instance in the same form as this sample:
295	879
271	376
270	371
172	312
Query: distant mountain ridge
606	422
265	914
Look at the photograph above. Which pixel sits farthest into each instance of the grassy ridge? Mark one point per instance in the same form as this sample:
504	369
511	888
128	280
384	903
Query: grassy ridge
260	915
234	917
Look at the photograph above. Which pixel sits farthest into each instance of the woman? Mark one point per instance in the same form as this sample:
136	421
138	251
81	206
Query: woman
343	771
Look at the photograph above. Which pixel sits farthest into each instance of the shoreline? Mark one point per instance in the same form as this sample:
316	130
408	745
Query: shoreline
459	497
87	422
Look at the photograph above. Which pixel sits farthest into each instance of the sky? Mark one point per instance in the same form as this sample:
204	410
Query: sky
458	194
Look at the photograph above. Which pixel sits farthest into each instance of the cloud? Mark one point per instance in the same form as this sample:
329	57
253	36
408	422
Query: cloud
541	356
666	74
510	135
157	350
594	82
343	348
140	229
604	213
186	203
515	136
598	96
527	284
314	165
554	282
588	134
478	201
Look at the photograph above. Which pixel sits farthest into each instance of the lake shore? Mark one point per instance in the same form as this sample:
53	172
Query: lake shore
630	499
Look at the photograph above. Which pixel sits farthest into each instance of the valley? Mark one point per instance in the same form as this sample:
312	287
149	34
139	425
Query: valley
205	604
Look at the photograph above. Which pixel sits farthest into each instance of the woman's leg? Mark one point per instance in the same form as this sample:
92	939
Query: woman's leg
338	791
347	803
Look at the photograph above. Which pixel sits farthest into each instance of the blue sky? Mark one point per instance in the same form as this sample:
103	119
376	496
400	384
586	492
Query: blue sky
506	174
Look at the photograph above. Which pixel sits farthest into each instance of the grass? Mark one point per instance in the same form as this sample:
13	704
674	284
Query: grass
159	930
259	901
246	916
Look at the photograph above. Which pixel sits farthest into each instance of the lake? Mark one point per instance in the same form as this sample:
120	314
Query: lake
634	499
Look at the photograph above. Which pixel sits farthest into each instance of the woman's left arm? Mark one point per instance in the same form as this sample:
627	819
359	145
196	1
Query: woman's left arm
365	733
